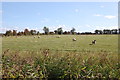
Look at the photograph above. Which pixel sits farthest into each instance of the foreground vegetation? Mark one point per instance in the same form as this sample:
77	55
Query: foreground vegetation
44	64
49	57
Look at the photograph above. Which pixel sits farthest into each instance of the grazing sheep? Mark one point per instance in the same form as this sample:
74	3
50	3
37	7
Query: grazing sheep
38	36
34	36
94	42
58	36
74	39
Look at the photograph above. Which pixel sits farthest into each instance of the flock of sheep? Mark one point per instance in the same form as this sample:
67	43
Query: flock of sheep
74	39
93	41
36	37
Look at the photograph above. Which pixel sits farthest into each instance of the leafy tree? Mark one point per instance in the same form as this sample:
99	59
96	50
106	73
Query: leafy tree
72	31
46	30
26	32
56	32
65	32
14	32
22	33
51	33
19	33
107	31
38	32
119	30
32	32
114	31
60	31
9	33
98	31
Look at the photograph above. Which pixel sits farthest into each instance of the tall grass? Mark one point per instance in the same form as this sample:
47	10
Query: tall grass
46	64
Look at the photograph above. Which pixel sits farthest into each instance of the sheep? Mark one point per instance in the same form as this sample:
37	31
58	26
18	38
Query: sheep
34	36
58	36
74	39
94	42
38	36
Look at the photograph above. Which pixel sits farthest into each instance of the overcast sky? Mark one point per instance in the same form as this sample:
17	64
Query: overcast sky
83	16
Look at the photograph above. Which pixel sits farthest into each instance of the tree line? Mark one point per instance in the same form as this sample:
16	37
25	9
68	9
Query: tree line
108	31
59	31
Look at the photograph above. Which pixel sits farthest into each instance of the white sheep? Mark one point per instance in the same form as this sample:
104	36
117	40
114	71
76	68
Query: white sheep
74	39
58	36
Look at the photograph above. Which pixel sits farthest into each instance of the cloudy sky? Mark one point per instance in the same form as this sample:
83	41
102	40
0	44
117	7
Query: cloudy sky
83	16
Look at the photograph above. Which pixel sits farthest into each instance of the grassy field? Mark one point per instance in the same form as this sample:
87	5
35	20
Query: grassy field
107	43
51	57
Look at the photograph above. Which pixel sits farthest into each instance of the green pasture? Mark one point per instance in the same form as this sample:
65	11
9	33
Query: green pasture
108	43
49	57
